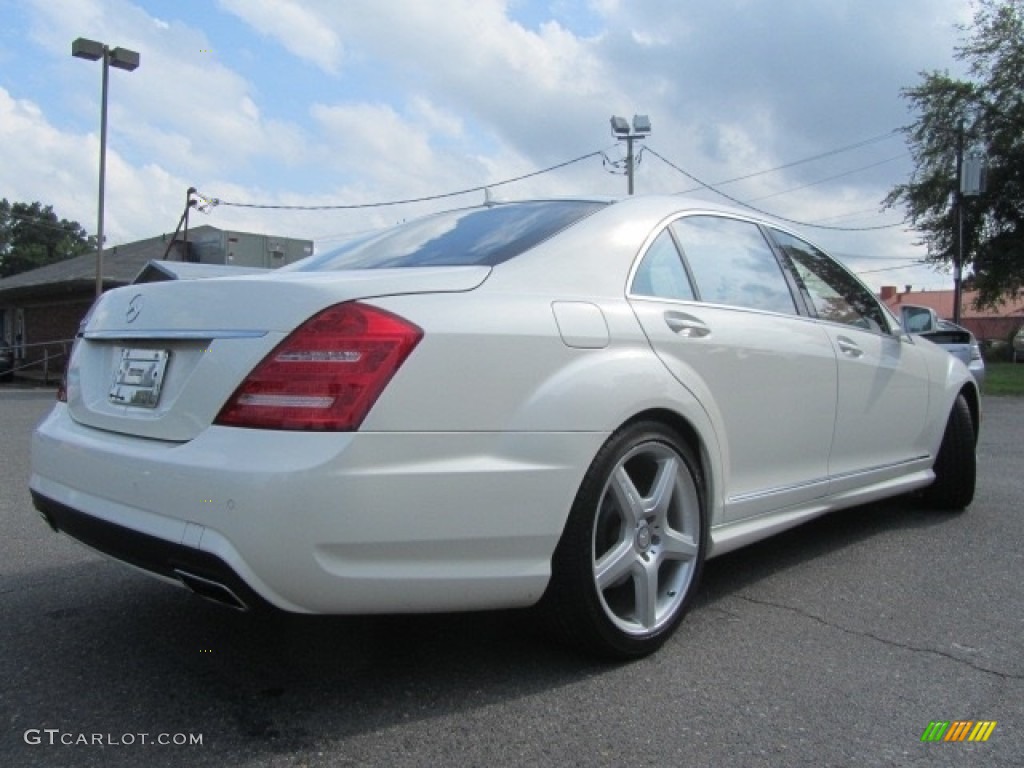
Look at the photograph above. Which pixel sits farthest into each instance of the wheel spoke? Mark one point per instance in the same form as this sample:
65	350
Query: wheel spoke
677	546
615	564
645	584
658	502
628	497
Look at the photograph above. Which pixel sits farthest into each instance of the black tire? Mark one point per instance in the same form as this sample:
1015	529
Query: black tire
630	557
956	465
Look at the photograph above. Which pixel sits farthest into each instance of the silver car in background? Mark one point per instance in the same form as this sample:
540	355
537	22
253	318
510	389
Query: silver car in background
955	339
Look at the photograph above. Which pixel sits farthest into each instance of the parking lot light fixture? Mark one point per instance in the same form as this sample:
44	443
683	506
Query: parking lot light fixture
622	131
120	58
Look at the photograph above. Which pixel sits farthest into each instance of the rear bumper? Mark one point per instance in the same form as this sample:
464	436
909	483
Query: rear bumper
321	523
204	573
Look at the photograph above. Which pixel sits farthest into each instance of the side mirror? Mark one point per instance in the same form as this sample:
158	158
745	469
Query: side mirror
918	319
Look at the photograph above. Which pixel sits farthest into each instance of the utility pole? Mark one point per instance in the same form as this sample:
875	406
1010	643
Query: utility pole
970	182
958	256
621	130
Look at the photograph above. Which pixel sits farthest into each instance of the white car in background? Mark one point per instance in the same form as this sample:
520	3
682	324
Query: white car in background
564	402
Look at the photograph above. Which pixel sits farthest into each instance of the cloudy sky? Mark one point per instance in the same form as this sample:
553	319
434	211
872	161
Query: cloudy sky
350	102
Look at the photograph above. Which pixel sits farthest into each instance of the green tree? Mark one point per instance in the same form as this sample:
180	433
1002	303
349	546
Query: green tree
32	236
985	111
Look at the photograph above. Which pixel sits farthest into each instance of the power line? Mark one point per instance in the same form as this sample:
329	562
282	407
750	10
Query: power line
882	258
739	202
607	162
213	201
830	178
908	265
861	212
812	158
429	198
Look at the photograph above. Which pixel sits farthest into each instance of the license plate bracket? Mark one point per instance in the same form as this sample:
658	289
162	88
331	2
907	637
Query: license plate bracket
139	377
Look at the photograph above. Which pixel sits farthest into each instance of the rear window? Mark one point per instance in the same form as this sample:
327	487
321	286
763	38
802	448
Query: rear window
472	236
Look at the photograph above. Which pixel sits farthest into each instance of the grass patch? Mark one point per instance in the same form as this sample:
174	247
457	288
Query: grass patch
1004	379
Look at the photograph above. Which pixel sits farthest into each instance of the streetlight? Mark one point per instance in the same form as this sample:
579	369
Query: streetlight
121	58
621	131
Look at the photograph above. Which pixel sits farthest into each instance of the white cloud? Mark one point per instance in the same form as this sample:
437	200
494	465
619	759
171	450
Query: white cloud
181	108
61	169
438	120
296	26
422	98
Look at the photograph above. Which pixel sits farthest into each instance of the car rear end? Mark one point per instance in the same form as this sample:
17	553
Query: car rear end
308	440
962	344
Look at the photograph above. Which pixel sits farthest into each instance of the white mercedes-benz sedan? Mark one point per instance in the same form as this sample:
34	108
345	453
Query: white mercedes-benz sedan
565	402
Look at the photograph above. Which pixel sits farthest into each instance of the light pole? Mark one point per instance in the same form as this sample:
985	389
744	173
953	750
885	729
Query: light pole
621	131
121	58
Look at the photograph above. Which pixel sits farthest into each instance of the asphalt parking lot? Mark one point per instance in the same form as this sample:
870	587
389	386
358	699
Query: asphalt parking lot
836	644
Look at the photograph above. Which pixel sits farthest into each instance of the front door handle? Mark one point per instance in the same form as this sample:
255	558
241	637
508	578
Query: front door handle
686	325
848	347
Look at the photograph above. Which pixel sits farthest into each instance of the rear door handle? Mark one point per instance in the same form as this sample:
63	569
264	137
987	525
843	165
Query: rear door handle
848	347
686	325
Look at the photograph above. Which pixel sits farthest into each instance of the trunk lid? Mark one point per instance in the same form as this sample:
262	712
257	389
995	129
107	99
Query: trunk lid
159	360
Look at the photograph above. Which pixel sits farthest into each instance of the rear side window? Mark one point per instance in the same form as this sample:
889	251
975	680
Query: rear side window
661	273
472	236
733	264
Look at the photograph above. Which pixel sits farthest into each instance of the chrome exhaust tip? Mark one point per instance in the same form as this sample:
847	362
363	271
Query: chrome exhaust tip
210	590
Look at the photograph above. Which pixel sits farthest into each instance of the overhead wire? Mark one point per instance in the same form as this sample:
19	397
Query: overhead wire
739	202
829	178
812	158
428	198
908	265
614	167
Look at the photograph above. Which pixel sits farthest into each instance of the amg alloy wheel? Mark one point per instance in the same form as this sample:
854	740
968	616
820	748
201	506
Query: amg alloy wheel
631	555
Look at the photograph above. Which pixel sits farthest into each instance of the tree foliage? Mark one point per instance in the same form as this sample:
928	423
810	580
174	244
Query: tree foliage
985	111
32	236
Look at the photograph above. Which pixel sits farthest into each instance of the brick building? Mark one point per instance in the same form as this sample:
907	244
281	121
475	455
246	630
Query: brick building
40	310
986	324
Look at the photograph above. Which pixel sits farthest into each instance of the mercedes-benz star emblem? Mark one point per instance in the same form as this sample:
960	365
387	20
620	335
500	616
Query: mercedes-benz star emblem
134	308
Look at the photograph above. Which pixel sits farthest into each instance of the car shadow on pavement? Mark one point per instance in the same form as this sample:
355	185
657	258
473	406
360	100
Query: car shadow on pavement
95	648
818	538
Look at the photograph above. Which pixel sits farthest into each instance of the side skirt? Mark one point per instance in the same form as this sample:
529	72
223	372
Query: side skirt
730	536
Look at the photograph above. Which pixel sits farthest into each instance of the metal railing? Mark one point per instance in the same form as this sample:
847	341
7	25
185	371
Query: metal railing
51	363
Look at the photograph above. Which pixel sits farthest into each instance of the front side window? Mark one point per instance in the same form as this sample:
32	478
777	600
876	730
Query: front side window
733	264
661	273
837	296
473	236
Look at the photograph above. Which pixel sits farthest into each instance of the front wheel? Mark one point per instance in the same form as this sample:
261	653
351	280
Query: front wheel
956	465
630	557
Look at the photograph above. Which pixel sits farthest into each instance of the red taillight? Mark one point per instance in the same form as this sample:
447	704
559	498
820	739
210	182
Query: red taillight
327	374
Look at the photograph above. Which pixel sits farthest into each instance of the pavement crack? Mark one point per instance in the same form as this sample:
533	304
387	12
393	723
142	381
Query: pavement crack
885	640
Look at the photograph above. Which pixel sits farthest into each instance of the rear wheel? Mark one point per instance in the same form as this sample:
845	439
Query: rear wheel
631	554
956	465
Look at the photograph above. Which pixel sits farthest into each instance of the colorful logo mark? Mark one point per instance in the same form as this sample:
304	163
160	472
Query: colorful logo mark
958	730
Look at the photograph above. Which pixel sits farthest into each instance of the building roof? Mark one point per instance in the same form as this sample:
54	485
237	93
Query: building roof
942	303
121	264
143	260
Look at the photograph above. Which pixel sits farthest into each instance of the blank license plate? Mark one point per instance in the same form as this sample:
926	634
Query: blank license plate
139	377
